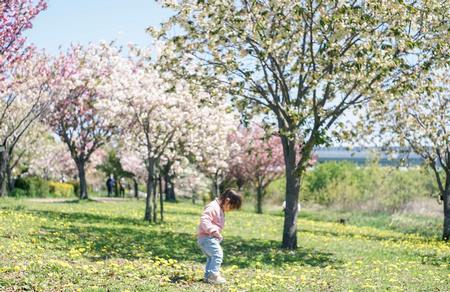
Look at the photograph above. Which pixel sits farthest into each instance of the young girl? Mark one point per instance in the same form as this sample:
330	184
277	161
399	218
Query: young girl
209	232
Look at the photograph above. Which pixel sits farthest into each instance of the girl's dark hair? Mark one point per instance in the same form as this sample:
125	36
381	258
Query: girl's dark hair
235	199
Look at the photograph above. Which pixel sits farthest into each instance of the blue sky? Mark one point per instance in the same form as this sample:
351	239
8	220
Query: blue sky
83	21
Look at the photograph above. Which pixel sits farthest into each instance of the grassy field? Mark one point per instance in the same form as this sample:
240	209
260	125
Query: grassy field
105	246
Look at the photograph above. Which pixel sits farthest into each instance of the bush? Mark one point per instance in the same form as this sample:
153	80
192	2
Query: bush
392	189
333	182
38	187
31	187
371	187
21	183
58	189
347	186
18	193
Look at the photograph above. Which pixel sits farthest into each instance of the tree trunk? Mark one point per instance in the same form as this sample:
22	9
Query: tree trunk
161	200
259	198
3	171
154	202
446	199
3	185
136	189
293	180
82	180
217	189
216	186
9	177
239	184
173	196
169	188
166	187
150	186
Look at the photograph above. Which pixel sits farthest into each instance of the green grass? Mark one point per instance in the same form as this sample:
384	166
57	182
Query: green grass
93	246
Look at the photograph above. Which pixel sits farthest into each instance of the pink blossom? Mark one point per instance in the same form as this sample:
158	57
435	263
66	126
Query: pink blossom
15	18
257	159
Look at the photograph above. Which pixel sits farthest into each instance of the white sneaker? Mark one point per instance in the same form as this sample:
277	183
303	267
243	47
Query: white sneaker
216	279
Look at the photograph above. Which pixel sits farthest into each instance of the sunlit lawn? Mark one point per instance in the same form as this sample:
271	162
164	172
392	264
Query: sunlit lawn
93	246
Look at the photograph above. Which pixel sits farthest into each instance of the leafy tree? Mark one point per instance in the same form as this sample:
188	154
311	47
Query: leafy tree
301	65
420	121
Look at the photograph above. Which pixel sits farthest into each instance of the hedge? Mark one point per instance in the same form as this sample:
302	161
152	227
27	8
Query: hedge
58	189
31	187
38	187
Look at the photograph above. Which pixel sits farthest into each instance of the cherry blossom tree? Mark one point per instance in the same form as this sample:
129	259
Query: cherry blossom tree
22	103
154	114
211	146
15	18
166	120
419	121
301	65
48	157
206	146
82	84
15	114
259	160
200	150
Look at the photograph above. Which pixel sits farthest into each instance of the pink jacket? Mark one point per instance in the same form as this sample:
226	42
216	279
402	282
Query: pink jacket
212	219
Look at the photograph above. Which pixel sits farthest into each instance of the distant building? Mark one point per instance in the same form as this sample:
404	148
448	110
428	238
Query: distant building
361	155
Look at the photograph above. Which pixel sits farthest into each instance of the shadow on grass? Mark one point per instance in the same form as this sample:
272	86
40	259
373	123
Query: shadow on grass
86	217
131	242
71	201
132	238
81	217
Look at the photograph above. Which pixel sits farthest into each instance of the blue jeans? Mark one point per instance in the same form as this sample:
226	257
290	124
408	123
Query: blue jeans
214	254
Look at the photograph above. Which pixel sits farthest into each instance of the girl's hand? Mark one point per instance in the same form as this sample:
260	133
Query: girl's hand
217	235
